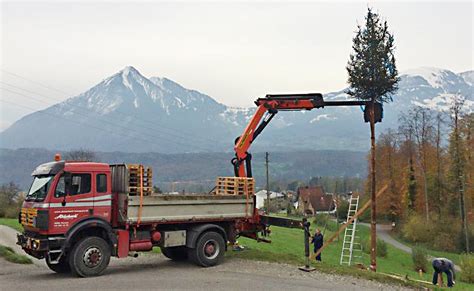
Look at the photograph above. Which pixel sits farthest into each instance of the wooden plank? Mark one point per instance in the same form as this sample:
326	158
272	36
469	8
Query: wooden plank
344	226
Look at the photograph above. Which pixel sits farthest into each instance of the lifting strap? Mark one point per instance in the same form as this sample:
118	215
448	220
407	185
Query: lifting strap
246	192
141	196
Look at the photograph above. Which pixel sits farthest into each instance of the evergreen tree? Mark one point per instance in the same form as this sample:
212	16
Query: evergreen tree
373	76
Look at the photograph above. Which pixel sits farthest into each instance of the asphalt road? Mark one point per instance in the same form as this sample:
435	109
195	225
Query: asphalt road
383	233
156	272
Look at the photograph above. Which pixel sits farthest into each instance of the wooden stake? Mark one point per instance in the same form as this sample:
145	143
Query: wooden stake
362	210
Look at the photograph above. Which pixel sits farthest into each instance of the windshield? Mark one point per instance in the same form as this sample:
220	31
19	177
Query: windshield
39	188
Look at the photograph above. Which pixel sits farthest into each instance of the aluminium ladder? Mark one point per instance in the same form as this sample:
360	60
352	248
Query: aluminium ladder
351	242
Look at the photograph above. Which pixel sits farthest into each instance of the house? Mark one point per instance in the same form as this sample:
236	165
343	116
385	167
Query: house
313	200
277	200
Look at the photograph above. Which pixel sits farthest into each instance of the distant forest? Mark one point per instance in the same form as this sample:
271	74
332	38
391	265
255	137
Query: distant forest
196	172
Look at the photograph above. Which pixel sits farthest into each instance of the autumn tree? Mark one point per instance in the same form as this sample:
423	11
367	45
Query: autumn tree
390	167
373	77
407	147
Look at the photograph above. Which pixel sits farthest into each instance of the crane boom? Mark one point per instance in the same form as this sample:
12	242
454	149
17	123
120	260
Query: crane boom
267	108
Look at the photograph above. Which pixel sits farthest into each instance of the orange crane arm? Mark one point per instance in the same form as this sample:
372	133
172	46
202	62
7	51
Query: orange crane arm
270	105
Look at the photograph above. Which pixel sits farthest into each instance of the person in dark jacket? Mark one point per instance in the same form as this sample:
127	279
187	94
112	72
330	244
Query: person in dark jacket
443	265
318	241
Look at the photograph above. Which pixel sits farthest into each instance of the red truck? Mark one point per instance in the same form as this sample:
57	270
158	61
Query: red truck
77	215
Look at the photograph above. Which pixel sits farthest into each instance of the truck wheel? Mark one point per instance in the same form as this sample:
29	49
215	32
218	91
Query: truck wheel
209	251
61	267
89	257
175	253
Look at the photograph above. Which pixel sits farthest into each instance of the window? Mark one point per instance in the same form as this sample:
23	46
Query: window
81	183
101	181
60	188
39	188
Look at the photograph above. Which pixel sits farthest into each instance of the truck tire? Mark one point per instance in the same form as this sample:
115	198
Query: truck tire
61	267
175	253
89	257
209	250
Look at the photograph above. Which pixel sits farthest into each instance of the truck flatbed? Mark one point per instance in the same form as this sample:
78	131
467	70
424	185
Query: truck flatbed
183	208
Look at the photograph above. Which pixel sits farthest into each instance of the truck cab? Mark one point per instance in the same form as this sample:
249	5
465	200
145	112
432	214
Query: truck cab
64	198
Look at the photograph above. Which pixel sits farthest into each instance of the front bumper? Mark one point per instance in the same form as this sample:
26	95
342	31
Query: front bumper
38	247
30	243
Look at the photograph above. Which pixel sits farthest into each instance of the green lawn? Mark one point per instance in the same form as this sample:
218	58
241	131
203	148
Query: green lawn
455	257
288	247
9	254
11	222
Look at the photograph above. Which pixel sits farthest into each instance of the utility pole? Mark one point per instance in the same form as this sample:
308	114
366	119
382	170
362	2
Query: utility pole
373	212
268	184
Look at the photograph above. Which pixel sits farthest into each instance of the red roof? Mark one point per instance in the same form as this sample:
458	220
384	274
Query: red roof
315	195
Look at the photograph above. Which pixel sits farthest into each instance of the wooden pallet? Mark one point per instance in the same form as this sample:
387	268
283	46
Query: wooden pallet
136	183
235	186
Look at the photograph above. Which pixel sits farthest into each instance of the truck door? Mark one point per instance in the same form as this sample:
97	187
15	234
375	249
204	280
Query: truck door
68	208
102	196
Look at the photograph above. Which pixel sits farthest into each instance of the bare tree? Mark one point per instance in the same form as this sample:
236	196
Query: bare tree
459	161
439	154
81	155
10	200
420	121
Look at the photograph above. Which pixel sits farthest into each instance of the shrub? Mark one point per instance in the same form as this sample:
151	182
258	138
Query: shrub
321	219
445	232
417	230
420	259
342	209
467	267
323	222
382	250
462	240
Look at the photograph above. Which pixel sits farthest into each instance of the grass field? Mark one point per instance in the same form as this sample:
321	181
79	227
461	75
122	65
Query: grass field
288	247
11	222
9	254
455	257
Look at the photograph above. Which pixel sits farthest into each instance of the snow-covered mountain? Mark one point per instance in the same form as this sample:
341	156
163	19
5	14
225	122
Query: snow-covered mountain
129	112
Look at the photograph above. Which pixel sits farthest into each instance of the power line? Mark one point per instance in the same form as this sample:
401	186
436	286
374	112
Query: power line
156	138
60	117
187	134
102	119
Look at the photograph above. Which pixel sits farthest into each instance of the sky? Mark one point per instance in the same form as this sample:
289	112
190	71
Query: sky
232	51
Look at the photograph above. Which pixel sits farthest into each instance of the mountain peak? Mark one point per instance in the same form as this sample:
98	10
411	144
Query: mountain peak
129	69
468	76
435	77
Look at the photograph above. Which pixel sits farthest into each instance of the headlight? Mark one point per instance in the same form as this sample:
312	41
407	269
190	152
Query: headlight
34	244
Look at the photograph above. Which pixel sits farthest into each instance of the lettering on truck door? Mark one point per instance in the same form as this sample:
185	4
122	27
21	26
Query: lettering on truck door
68	208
